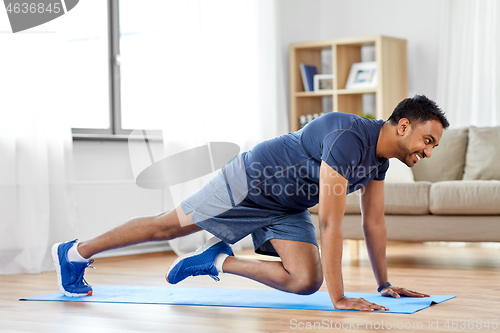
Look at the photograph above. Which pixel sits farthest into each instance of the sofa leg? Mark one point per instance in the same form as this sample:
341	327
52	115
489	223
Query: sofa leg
354	249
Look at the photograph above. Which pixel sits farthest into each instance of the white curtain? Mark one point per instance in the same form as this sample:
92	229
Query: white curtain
37	206
469	63
211	75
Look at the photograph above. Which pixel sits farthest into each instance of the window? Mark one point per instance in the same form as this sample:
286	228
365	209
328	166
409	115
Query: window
88	43
124	63
206	65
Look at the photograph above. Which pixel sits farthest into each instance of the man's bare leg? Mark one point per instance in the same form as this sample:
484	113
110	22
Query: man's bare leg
298	272
164	226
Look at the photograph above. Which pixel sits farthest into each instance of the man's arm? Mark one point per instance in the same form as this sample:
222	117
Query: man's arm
372	211
332	197
374	229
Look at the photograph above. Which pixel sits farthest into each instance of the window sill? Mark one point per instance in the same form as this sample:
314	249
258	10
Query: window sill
99	137
155	136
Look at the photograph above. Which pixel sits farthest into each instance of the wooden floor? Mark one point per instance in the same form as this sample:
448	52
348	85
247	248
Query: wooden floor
471	273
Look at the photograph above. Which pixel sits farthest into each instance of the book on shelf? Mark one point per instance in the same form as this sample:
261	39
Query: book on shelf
307	72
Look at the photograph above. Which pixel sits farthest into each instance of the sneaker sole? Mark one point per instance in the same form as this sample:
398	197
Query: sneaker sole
211	242
55	260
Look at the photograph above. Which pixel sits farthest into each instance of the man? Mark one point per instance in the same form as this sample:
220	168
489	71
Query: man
332	156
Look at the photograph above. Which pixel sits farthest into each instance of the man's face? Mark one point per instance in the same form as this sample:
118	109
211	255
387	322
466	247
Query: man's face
417	140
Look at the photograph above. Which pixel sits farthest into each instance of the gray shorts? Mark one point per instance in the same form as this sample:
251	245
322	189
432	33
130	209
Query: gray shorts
215	209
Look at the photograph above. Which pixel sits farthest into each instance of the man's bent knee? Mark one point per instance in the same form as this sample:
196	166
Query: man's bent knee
309	285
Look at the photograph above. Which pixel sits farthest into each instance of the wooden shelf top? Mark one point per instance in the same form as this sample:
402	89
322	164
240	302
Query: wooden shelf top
314	93
370	40
355	91
323	93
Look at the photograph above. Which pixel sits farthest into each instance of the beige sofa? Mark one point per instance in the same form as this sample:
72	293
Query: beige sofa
453	196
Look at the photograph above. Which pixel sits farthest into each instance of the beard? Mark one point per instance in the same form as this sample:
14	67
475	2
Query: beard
404	154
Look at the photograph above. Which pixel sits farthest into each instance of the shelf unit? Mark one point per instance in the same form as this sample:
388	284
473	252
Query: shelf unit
390	55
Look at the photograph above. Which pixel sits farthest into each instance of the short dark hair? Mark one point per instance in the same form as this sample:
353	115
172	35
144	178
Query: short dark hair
418	109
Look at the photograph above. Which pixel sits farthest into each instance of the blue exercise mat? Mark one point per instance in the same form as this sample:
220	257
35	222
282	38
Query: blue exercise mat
248	298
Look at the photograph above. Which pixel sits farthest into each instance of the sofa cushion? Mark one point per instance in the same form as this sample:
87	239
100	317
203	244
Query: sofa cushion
399	198
351	206
464	197
407	198
398	172
483	154
447	161
352	203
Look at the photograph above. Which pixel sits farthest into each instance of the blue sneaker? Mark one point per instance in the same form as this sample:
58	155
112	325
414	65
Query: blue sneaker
70	273
199	262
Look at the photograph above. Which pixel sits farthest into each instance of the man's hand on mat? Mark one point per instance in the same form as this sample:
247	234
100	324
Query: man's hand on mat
349	303
397	292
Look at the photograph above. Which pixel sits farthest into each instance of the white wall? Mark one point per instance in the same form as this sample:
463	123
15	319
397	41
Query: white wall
297	21
417	21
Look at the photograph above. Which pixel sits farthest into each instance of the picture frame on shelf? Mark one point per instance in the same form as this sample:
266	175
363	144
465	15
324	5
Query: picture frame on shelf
363	75
323	82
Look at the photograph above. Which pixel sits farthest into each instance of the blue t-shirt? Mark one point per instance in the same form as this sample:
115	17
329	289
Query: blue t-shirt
283	173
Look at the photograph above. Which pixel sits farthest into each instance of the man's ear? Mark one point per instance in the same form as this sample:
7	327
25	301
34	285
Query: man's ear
403	126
